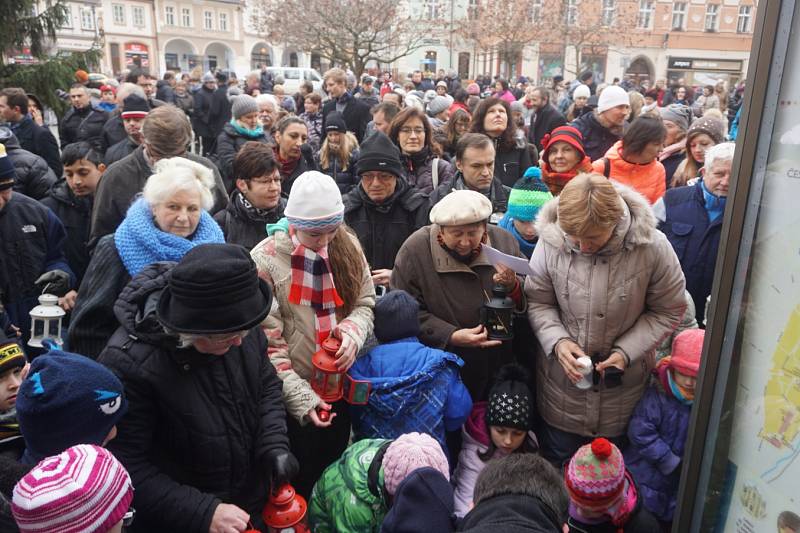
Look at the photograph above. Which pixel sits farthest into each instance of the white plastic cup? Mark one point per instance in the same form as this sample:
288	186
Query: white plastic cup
585	367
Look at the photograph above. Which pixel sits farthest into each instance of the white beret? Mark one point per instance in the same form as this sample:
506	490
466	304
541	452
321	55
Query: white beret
460	208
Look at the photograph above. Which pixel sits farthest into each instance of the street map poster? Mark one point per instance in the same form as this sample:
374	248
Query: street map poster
764	451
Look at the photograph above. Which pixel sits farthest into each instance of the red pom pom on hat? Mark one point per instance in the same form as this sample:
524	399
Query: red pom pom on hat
601	448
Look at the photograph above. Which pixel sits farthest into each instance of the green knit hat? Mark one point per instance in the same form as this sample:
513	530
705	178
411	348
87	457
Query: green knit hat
528	196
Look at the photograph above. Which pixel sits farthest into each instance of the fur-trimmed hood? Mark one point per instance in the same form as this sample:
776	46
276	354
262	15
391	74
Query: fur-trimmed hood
636	228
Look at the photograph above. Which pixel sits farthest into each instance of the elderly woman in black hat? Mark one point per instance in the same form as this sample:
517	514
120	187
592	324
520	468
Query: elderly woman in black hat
205	431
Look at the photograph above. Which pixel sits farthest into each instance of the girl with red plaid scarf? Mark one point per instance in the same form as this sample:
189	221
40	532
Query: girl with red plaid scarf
323	287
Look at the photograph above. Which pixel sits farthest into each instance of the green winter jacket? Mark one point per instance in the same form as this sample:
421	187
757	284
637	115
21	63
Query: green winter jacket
350	496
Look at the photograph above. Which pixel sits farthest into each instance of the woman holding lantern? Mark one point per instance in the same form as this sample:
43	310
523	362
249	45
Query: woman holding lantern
323	288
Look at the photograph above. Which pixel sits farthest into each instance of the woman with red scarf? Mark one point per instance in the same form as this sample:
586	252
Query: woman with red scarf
292	151
323	287
563	157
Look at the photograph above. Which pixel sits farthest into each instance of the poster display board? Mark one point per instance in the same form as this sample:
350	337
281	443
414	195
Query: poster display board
764	452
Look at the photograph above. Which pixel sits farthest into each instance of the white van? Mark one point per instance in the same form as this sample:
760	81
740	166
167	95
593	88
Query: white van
294	76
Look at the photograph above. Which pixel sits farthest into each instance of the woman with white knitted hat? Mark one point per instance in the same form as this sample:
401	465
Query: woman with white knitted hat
322	287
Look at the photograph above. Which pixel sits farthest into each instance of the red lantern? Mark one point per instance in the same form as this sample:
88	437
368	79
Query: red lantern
332	384
285	511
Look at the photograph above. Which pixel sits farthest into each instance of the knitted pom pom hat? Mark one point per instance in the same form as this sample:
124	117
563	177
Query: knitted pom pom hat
595	476
84	489
409	452
528	196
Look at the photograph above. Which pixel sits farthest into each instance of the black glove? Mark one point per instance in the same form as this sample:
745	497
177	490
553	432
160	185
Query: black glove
284	467
54	282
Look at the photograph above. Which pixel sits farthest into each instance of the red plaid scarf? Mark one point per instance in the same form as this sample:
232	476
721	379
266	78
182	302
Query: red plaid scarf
312	285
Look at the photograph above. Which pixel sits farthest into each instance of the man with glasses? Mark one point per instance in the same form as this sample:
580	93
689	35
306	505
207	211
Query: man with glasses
256	201
204	438
383	209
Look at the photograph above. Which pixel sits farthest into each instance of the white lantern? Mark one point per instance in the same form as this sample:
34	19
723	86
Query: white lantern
46	321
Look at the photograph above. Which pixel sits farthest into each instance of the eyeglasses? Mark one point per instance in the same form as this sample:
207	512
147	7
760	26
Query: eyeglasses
415	131
274	181
127	518
226	337
380	176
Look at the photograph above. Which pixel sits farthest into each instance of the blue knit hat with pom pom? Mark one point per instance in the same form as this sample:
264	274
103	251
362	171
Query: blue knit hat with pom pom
528	196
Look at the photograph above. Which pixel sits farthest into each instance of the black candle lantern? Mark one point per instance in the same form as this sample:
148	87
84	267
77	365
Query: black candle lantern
497	315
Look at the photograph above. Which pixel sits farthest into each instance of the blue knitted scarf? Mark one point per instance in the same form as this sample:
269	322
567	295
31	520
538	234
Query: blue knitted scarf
255	133
525	246
139	241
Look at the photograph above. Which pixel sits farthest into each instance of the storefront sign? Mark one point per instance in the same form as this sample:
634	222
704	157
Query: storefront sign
136	54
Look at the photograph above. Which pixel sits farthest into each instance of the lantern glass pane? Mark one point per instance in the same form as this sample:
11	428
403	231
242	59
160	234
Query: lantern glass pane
38	327
332	387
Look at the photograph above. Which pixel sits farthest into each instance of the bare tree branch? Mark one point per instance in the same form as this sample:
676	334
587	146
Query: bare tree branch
345	32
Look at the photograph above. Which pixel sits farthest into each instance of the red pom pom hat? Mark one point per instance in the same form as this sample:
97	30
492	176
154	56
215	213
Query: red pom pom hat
595	476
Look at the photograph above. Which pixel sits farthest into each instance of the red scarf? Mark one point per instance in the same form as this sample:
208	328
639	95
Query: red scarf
285	166
312	285
557	180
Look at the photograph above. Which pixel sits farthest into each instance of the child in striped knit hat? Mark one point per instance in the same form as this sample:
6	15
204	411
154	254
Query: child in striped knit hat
82	490
603	496
527	197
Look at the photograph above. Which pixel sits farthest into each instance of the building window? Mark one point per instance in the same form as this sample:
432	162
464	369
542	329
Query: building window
743	24
428	64
645	14
712	10
208	20
536	11
609	8
571	14
679	15
67	22
118	11
473	10
430	9
186	17
138	16
169	15
223	22
87	19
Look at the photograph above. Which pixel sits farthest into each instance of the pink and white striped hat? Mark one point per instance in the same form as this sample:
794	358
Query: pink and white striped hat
85	489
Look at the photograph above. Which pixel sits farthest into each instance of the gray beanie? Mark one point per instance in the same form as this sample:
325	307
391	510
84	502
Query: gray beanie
680	114
242	105
208	78
439	104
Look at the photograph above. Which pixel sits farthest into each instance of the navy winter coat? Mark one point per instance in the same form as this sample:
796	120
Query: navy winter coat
657	435
31	243
695	240
414	389
597	139
39	140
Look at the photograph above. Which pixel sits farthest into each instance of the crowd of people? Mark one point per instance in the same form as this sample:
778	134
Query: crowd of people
208	239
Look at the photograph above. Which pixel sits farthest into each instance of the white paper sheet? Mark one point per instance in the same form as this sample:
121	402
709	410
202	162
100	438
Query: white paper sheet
517	264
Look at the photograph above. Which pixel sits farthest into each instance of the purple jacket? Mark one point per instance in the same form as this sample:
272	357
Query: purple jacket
657	434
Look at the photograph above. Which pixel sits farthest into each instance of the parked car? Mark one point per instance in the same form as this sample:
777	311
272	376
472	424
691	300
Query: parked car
294	76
